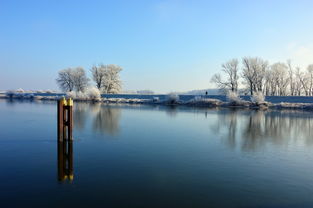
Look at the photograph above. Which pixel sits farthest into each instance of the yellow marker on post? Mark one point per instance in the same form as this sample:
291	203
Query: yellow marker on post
63	101
69	102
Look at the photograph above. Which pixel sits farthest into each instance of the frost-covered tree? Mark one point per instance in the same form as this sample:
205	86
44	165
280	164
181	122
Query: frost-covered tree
72	79
298	82
292	82
65	80
269	84
230	70
80	79
309	76
112	83
253	73
280	79
107	78
99	75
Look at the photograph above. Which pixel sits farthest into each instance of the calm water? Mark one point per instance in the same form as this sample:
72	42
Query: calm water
148	156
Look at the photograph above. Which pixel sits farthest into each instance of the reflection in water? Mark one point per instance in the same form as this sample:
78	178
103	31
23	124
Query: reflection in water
105	117
80	115
252	130
171	111
65	161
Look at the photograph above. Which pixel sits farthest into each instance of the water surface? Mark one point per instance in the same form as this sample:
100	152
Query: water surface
154	156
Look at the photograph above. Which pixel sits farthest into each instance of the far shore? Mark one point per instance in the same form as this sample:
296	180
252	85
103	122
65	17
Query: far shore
170	100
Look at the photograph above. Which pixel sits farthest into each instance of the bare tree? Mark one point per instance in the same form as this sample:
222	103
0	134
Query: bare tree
98	75
281	79
112	83
298	81
254	73
65	79
80	79
292	82
310	79
230	69
269	84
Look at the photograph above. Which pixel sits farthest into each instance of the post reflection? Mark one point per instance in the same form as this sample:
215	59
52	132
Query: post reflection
65	161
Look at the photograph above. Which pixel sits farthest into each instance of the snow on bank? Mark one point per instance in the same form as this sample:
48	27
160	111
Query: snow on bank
293	106
233	100
92	93
204	102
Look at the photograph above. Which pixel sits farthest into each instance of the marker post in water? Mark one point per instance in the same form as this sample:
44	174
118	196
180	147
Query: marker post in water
65	119
65	138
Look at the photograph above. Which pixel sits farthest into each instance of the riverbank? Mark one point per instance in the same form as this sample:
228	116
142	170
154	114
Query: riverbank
174	100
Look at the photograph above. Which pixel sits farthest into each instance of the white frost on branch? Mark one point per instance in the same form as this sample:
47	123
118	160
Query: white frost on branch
91	93
233	97
258	97
172	98
72	79
107	78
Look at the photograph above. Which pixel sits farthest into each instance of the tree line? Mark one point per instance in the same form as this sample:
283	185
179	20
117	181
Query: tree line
257	75
106	78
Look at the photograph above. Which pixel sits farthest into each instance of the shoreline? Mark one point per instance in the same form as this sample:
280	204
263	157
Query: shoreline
195	102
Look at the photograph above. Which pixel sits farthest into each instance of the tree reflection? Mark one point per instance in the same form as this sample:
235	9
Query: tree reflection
171	111
80	115
106	119
227	125
251	130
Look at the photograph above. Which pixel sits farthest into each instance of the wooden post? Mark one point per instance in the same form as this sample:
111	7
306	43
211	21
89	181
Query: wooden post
65	149
65	119
70	119
60	120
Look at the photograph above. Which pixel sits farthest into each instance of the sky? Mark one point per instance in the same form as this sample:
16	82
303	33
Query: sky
162	45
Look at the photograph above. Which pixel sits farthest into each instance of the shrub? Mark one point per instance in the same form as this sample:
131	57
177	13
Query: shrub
93	93
172	98
205	102
258	97
233	97
155	99
71	94
19	90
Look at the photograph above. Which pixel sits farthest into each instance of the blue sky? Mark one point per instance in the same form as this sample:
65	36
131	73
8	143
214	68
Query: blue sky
163	46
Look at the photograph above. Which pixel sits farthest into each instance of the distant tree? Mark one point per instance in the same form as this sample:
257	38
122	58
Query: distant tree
292	83
80	79
310	79
72	79
280	78
298	81
269	84
99	75
230	70
253	73
107	78
145	92
112	83
65	80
